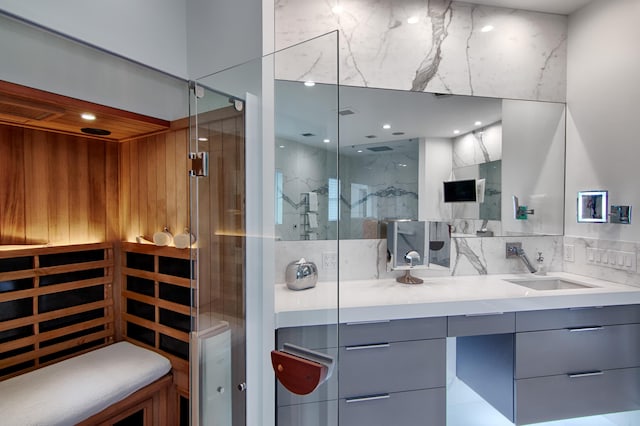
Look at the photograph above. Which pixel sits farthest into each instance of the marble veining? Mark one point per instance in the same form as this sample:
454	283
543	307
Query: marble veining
468	48
524	57
439	12
462	249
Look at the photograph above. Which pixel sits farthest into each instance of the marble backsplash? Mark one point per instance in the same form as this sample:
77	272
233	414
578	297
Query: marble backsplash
581	267
366	259
446	50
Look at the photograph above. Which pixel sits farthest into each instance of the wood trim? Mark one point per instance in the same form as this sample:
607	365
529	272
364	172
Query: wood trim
159	254
156	250
153	398
31	108
43	347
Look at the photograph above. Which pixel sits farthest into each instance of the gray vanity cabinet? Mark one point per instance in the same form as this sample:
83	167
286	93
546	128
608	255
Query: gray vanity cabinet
390	372
393	372
560	363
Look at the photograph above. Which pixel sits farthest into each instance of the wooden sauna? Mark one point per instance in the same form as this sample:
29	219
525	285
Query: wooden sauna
82	200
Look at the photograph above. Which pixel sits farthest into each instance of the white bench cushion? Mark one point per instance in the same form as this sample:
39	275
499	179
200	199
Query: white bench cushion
73	390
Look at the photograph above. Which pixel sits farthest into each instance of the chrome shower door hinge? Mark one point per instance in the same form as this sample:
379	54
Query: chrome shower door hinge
199	164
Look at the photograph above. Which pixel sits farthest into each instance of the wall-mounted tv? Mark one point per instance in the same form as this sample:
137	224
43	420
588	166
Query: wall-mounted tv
458	191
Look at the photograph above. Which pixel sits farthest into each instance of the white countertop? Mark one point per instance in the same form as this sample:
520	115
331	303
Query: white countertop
374	300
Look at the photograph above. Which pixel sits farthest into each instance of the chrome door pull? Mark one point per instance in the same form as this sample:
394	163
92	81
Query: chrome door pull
368	398
578	329
587	374
376	346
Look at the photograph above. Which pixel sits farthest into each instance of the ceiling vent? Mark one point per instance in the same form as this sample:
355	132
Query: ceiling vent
397	133
95	132
346	111
371	136
379	148
307	134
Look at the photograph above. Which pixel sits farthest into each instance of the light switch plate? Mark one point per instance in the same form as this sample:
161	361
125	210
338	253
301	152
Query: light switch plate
623	260
330	260
569	253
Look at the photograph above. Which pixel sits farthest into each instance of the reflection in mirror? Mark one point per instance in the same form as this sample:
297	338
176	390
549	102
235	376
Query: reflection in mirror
396	150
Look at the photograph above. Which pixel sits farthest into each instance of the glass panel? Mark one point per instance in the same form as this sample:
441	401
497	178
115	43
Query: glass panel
306	246
237	212
218	345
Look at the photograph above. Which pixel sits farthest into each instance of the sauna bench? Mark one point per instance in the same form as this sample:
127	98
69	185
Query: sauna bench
85	388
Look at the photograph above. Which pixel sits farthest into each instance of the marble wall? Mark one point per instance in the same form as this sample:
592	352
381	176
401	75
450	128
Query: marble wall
445	50
470	152
581	266
376	187
305	169
366	259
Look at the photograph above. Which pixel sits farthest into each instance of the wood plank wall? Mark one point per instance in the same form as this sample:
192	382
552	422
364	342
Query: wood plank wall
154	185
57	188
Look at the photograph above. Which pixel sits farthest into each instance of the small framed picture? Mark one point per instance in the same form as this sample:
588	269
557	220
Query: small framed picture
592	206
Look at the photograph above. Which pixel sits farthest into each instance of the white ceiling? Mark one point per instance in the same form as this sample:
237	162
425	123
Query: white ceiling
562	7
301	109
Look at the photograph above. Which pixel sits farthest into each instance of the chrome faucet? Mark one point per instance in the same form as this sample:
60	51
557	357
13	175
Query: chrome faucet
516	250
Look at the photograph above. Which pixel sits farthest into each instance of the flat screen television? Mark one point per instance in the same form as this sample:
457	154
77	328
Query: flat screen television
458	191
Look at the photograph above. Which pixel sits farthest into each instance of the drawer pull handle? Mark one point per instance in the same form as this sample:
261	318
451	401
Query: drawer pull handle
368	398
488	314
589	374
376	346
582	308
577	329
369	322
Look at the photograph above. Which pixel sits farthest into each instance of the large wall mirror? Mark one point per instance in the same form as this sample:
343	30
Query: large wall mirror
397	148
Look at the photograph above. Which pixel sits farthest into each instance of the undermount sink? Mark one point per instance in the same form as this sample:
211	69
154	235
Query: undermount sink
550	284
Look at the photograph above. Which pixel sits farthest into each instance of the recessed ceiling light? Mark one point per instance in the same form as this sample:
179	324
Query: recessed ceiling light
88	116
336	9
203	139
402	165
386	126
456	132
326	140
309	83
281	146
359	150
478	123
413	20
487	28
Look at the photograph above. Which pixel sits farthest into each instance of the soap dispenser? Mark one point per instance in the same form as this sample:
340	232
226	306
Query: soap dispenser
542	270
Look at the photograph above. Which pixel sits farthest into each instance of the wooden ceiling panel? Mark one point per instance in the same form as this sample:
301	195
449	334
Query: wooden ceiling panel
33	108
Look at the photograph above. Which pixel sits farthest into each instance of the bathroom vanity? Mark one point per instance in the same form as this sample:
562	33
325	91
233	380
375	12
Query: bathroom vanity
535	355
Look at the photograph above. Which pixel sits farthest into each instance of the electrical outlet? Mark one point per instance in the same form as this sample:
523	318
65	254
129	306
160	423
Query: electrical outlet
330	260
569	253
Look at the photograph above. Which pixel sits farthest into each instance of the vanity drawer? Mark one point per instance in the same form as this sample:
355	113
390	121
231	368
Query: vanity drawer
562	397
362	333
310	337
577	317
391	367
545	353
312	414
325	392
422	407
476	325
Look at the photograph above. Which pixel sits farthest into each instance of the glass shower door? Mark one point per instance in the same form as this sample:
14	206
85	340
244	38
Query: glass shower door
249	228
217	197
